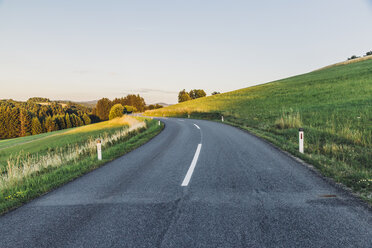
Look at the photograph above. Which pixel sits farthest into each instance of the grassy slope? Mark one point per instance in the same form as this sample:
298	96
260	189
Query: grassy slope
42	143
51	178
333	105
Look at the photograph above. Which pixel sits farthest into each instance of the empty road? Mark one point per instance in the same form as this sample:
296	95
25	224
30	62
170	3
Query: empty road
197	184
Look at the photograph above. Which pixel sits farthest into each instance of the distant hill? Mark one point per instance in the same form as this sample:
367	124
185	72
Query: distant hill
162	104
92	104
89	104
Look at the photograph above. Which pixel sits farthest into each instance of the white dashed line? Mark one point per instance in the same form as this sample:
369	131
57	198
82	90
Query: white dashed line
192	166
196	126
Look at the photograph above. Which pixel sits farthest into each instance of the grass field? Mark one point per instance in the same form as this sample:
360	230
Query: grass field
31	166
333	105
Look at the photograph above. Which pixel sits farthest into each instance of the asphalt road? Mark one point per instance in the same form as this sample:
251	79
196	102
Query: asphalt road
239	192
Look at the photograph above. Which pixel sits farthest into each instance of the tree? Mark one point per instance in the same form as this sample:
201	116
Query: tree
197	93
75	120
61	122
353	57
13	123
56	123
151	107
2	122
103	108
86	119
135	101
68	121
53	125
48	126
215	93
25	120
94	119
36	126
369	53
156	106
9	122
79	121
116	111
183	96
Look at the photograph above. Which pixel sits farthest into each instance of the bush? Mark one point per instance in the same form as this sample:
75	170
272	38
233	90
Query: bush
116	111
129	109
353	57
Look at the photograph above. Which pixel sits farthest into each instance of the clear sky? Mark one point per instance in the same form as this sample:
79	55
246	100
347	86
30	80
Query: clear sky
89	49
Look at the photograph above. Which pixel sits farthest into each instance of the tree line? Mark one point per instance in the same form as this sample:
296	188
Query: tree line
184	96
39	115
356	57
130	103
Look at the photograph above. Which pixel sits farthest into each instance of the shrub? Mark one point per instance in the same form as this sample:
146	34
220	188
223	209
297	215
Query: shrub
116	111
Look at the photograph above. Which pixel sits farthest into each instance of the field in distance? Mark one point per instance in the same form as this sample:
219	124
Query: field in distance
333	105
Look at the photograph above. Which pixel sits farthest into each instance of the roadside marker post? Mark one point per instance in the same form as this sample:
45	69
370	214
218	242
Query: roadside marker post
188	116
222	118
301	140
99	149
159	123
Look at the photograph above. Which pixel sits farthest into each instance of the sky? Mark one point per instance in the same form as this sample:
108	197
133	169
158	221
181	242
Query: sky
88	49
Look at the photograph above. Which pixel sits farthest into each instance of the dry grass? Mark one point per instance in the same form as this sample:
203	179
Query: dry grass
347	62
117	122
24	165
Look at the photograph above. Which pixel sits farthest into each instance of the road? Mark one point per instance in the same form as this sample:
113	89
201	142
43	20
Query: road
197	184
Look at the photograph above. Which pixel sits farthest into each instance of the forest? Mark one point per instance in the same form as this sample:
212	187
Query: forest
40	115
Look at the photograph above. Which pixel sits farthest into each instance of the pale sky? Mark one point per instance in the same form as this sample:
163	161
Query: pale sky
89	49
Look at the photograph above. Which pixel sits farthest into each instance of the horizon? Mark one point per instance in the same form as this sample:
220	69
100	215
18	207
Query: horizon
157	49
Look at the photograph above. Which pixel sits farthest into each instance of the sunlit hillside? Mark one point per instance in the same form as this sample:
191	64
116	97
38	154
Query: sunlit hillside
332	104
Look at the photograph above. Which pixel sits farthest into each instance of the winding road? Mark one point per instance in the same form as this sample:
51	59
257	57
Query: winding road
197	184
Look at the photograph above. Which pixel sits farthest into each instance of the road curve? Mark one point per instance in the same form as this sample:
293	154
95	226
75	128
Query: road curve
241	192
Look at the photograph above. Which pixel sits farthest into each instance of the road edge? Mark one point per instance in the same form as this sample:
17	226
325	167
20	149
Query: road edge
346	190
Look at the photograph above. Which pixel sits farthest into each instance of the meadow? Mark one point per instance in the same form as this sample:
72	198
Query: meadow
332	104
33	165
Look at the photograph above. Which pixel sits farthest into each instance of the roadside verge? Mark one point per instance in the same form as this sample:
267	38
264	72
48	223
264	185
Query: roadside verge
49	178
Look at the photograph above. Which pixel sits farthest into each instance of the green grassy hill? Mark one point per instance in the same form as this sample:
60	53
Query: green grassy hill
333	105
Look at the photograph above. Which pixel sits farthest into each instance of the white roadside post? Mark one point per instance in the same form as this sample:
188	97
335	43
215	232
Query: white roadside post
301	139
222	118
99	149
159	123
188	116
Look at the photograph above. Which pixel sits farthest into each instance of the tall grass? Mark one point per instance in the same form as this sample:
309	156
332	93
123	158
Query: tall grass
61	157
25	165
289	120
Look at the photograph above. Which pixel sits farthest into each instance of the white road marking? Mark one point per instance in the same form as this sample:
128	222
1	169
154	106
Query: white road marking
196	126
192	166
